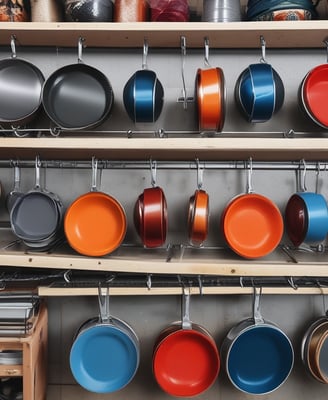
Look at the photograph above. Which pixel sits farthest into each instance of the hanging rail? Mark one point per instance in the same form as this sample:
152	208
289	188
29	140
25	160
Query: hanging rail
183	165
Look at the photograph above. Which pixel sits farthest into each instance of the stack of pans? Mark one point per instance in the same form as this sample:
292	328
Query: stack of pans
16	314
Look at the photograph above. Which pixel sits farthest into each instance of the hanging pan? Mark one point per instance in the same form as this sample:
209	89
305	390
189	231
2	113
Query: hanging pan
198	214
252	224
36	216
95	223
105	353
186	360
77	96
258	356
20	90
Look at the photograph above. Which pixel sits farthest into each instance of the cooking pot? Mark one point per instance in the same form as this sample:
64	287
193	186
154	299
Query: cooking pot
95	223
143	94
151	217
105	353
313	94
258	356
211	97
77	96
186	360
20	90
36	216
198	217
306	218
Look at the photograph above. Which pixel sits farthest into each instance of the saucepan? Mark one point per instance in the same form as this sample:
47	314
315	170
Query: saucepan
259	91
95	223
198	214
77	96
143	94
186	360
150	214
36	216
105	353
258	356
313	94
252	224
20	90
210	95
306	216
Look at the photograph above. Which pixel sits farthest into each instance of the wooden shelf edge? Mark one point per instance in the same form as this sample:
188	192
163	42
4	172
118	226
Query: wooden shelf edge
153	266
45	291
218	148
279	34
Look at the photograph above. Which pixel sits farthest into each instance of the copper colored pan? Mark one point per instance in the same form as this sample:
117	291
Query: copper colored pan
210	93
198	217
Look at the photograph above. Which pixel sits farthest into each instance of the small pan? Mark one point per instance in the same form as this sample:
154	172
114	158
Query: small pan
95	223
77	96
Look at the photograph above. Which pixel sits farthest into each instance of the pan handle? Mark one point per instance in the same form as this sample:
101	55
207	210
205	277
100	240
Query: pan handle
258	319
103	301
80	49
186	323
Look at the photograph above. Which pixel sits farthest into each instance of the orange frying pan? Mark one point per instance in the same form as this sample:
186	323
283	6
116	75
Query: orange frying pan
252	225
210	93
198	217
95	224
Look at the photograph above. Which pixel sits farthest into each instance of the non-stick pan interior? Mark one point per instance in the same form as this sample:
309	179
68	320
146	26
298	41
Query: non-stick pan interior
20	89
77	96
95	224
260	359
103	359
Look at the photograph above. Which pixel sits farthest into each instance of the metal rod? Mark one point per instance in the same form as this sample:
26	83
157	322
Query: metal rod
175	165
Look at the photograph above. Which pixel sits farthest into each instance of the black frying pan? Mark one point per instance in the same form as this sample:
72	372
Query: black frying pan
77	96
20	90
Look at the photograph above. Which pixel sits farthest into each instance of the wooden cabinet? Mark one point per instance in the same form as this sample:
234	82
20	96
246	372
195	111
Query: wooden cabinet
285	34
33	369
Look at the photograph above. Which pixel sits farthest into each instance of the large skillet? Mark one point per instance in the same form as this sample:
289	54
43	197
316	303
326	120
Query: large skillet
20	90
77	96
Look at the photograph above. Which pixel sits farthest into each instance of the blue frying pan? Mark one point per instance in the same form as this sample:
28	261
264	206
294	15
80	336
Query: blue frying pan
104	357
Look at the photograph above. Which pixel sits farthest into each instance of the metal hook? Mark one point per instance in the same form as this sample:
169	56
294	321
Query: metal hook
207	52
145	54
183	62
200	174
326	43
317	177
67	276
80	49
13	46
263	48
249	188
153	172
303	185
149	283
291	282
94	165
200	284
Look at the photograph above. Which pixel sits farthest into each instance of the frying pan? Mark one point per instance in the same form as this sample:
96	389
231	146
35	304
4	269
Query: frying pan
258	356
252	225
95	223
313	94
211	97
105	353
198	217
77	96
36	216
185	359
20	90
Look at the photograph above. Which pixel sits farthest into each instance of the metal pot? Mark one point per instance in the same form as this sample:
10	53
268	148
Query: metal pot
143	94
198	217
20	90
186	361
105	353
258	356
77	96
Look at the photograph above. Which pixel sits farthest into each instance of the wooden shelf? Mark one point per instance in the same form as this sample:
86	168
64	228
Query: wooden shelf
217	148
278	34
